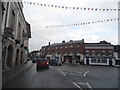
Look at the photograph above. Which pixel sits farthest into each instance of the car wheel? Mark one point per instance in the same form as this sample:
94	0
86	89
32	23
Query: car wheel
37	68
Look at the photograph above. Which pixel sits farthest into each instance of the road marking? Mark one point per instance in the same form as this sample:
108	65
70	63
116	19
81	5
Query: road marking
70	71
74	74
62	72
77	85
89	86
85	73
81	83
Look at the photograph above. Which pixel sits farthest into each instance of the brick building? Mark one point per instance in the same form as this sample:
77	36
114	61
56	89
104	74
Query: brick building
101	53
65	51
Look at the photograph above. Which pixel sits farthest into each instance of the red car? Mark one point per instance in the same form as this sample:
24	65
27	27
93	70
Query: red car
42	62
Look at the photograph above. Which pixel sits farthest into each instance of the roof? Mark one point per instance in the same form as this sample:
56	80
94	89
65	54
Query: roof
67	43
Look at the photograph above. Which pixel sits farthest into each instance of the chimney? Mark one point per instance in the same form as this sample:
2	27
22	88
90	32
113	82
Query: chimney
49	43
63	41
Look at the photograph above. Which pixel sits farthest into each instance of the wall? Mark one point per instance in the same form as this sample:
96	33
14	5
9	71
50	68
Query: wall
0	46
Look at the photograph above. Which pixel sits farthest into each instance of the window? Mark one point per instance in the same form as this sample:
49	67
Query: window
13	20
98	53
2	9
110	52
104	60
65	46
78	46
93	53
103	51
71	46
87	51
93	60
19	31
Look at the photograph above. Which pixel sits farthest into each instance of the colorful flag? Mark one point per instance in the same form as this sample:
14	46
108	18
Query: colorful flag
30	2
62	6
44	4
96	9
73	7
51	5
103	9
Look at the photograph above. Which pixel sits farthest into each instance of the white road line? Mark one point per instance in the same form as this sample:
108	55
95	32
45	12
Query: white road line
70	71
74	74
81	83
62	72
77	85
85	73
89	86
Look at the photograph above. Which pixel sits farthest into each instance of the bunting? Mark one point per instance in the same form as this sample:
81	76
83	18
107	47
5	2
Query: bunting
73	8
85	23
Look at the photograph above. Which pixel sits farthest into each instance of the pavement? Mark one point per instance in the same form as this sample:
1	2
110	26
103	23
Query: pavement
11	74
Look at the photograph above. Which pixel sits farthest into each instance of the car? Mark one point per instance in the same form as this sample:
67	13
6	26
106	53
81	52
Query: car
34	60
55	62
42	62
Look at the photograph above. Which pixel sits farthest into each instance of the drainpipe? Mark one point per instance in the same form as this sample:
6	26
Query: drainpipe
6	14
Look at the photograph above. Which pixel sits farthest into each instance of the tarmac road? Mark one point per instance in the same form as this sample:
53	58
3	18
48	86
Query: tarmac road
68	76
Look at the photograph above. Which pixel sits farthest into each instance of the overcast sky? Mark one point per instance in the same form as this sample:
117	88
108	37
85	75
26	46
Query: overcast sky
40	16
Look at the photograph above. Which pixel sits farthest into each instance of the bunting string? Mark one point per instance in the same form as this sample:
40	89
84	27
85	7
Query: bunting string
85	23
73	8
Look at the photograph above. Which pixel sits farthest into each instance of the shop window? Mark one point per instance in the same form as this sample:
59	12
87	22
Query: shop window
93	60
104	61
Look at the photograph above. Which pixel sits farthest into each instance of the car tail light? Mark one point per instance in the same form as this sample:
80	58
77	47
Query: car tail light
47	63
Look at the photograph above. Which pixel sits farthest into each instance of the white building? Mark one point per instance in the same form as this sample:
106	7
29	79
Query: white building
13	30
117	54
99	54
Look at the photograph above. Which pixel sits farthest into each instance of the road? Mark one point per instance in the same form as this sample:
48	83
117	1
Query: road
68	76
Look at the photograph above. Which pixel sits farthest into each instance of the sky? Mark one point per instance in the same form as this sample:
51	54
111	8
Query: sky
40	16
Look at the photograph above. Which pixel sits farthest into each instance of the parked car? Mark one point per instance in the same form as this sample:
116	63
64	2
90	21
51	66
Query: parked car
34	60
55	62
42	62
